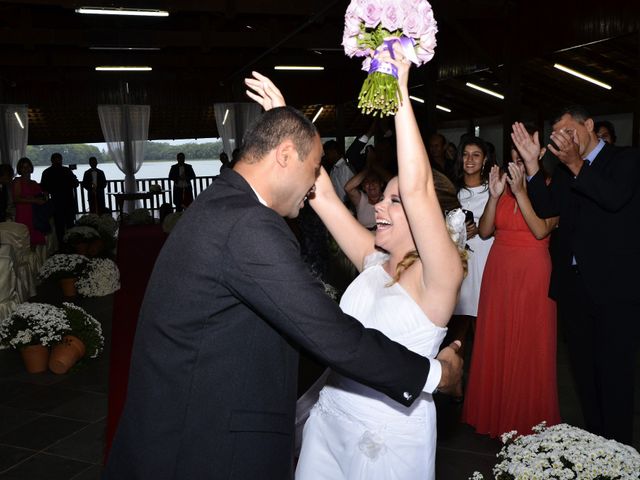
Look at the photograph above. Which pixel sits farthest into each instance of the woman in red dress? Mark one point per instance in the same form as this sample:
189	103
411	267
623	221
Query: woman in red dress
512	380
26	193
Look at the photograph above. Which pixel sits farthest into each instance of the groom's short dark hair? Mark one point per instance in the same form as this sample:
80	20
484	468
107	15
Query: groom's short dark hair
272	128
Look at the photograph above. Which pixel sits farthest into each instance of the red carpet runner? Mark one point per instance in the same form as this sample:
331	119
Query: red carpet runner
138	248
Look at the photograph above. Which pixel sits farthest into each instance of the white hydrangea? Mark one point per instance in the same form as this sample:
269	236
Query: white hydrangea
564	452
101	278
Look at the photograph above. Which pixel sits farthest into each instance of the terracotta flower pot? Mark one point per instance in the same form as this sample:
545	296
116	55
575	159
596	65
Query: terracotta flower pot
68	286
81	248
96	247
35	358
66	354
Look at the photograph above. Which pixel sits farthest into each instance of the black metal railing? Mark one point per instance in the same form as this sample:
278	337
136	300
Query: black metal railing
142	185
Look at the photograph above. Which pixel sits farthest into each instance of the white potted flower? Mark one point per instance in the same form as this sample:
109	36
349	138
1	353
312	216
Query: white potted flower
31	329
66	268
101	277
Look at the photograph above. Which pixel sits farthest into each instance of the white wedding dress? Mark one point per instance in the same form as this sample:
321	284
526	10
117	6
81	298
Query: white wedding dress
356	433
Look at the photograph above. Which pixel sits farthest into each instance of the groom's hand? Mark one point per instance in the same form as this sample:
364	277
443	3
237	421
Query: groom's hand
451	367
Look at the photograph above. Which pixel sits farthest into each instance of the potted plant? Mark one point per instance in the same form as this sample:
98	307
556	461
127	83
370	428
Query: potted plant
563	451
100	277
80	237
83	338
66	268
31	329
106	227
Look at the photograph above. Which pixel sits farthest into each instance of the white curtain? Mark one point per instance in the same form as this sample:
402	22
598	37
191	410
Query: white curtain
233	120
14	133
126	131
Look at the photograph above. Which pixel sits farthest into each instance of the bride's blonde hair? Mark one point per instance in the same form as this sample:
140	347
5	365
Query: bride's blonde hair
411	257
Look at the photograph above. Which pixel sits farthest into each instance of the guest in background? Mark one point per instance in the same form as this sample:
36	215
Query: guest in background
472	183
437	155
95	182
6	177
224	159
182	174
60	182
512	380
339	169
26	193
605	131
365	190
451	153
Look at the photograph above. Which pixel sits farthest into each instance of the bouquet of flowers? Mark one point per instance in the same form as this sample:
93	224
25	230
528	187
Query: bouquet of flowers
33	324
371	24
100	278
80	233
563	451
63	266
86	328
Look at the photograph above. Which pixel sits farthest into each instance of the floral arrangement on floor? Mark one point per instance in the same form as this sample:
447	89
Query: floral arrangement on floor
170	221
104	224
63	265
80	233
86	328
140	216
33	324
564	452
371	24
101	277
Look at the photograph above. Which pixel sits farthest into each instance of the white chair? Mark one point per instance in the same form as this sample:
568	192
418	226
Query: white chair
28	262
9	298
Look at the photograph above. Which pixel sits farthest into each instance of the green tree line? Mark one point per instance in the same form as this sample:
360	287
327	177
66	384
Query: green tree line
79	153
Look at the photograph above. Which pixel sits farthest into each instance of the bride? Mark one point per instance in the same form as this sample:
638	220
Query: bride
410	275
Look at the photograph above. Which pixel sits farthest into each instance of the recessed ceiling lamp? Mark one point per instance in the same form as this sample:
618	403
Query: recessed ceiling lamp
485	90
19	120
122	68
297	67
146	49
315	117
439	107
136	12
582	76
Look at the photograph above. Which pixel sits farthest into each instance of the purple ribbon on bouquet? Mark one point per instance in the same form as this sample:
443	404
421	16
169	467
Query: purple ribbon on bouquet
407	45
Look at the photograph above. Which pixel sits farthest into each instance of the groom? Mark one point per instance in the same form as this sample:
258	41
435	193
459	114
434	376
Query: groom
212	389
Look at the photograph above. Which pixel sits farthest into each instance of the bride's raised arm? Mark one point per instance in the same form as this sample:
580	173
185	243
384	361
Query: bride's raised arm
442	269
354	240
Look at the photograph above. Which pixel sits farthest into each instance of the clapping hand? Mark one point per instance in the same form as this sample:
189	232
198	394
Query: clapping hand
264	91
568	151
528	146
516	178
497	181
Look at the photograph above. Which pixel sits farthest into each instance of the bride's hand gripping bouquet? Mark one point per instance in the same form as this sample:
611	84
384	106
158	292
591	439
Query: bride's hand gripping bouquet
373	26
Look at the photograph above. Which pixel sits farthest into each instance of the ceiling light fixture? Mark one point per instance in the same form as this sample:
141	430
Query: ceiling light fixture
297	67
126	48
136	12
417	99
122	68
19	120
439	107
485	90
315	117
582	76
226	114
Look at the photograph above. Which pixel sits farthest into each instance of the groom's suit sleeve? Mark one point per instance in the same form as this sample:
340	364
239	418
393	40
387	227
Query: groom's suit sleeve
263	268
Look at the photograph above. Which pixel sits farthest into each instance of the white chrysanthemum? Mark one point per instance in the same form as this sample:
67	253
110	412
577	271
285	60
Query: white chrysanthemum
101	278
32	324
61	264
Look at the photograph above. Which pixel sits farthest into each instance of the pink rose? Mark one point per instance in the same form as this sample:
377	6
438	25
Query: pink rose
392	16
351	25
413	26
350	45
371	13
366	64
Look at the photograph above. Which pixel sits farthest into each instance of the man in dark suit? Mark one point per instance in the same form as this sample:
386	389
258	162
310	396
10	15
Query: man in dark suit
596	260
60	182
212	390
182	174
94	182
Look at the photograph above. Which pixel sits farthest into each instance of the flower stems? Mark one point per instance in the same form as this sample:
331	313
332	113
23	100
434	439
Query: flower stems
380	95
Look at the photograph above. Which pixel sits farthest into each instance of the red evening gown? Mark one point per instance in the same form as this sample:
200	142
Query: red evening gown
24	211
512	381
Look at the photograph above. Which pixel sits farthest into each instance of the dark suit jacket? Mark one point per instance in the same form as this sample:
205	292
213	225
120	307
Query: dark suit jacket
212	389
174	173
87	180
60	183
599	223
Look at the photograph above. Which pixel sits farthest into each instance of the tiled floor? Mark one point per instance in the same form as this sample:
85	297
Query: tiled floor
52	426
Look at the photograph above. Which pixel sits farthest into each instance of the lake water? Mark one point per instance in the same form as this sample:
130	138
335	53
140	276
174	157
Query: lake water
150	169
